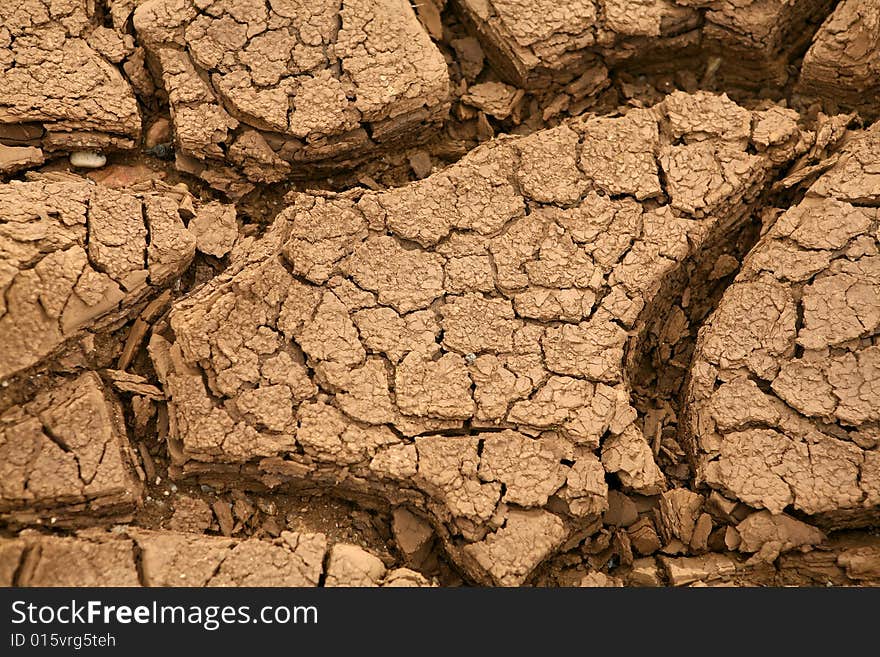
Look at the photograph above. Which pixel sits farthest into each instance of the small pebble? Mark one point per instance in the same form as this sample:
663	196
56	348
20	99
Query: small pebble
158	133
88	159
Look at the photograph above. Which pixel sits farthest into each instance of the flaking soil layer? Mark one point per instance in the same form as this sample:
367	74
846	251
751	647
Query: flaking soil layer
364	293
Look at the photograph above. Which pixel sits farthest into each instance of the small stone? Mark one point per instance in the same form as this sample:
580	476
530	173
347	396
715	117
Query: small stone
420	162
87	160
158	133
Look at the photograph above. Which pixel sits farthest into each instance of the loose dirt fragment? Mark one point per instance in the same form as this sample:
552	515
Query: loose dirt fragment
643	537
16	158
215	229
708	568
842	66
599	580
786	376
65	458
191	515
57	78
258	94
494	98
77	256
413	536
768	535
679	510
170	558
458	344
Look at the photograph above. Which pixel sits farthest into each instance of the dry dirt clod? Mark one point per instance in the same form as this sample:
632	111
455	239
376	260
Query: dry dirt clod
842	64
65	455
787	368
545	44
262	118
413	536
58	82
79	257
223	512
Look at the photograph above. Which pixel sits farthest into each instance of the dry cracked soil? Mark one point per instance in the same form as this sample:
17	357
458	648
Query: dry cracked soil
442	293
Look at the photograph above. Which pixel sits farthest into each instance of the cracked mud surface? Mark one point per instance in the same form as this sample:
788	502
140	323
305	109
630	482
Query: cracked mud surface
372	294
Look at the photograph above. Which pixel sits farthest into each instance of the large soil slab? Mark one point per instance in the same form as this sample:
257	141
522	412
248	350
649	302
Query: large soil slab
75	256
842	66
60	89
263	91
461	344
784	396
535	44
138	557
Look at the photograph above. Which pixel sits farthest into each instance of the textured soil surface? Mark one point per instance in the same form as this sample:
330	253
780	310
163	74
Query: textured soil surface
496	292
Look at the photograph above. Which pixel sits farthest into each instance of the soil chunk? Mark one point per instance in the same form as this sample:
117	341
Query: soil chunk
785	386
261	93
59	88
842	65
65	458
139	557
741	45
77	256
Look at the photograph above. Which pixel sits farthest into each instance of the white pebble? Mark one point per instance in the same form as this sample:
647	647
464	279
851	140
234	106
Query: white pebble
88	159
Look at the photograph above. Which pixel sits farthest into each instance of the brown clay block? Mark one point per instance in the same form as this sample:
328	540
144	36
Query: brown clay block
170	558
78	256
842	66
544	43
